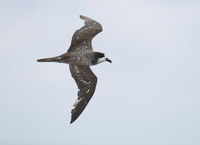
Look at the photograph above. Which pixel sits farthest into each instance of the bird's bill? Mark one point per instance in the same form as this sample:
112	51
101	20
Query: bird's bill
107	59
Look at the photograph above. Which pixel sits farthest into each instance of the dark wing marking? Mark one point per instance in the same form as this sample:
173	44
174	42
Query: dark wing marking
86	33
86	82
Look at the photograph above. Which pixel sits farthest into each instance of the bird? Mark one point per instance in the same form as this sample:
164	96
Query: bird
80	56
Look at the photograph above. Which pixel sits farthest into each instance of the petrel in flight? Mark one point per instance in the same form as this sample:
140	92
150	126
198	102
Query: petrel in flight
80	56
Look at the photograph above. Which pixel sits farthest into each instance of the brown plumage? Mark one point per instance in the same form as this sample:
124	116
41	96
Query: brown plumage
80	57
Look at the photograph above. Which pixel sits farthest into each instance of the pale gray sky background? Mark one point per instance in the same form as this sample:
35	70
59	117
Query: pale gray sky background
149	95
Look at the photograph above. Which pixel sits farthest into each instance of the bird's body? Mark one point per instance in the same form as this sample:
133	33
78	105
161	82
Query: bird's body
80	56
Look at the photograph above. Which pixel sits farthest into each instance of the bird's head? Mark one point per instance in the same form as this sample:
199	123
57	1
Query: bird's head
99	57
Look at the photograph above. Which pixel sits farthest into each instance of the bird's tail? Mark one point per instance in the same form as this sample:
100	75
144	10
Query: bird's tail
51	59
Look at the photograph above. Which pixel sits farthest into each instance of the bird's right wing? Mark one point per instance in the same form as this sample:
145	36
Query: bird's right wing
86	82
86	33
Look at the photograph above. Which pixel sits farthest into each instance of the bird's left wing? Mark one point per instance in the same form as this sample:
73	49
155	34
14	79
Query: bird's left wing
86	82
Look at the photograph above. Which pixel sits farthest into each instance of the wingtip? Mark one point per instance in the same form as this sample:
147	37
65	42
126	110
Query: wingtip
86	18
73	118
81	16
71	121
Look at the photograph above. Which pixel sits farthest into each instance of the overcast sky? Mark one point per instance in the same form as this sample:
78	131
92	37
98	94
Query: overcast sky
149	95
